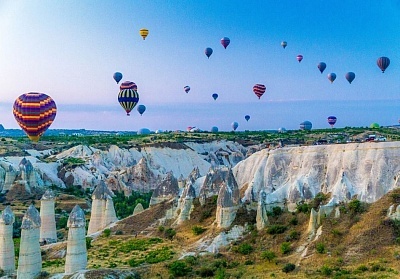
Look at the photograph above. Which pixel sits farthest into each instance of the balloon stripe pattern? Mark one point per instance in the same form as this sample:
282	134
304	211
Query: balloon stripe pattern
383	63
128	98
259	90
34	113
128	85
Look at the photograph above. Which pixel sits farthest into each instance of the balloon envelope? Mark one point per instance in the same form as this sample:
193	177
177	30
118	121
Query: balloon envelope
215	96
34	113
321	66
284	44
306	125
117	77
247	117
186	88
144	32
259	90
299	57
128	96
383	62
225	41
350	76
332	77
234	125
332	120
143	131
214	129
208	51
374	125
141	109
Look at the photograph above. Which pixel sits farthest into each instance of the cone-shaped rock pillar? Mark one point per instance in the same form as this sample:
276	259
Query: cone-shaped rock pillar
48	231
109	215
76	258
7	254
262	217
138	208
30	258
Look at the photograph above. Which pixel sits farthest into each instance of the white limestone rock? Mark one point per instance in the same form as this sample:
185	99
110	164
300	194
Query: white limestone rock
138	208
48	231
262	217
7	254
167	189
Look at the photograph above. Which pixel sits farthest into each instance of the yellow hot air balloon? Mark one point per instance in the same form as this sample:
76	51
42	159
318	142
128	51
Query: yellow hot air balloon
144	32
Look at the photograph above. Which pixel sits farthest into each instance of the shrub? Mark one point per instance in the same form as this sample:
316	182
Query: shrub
119	232
362	268
377	267
276	211
355	206
88	242
293	221
220	274
303	207
319	199
268	255
293	235
276	229
159	255
248	262
62	222
161	229
134	262
197	230
106	232
192	260
320	247
170	233
179	268
245	249
326	270
288	267
206	272
205	214
285	248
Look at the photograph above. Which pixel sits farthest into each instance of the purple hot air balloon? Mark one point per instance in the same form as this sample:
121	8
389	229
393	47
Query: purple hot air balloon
208	51
332	77
383	63
299	57
332	120
225	41
321	66
128	85
350	76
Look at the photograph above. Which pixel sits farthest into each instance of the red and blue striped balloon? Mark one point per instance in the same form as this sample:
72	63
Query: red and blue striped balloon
383	63
259	90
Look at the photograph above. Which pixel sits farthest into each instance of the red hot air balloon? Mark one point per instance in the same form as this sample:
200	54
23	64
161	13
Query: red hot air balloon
128	85
332	120
225	41
259	90
34	112
299	57
383	63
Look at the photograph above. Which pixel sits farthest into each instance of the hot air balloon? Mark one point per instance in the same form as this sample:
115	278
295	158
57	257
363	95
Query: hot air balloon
128	97
144	32
214	129
117	77
247	117
383	63
306	125
143	131
374	125
208	51
141	109
299	57
215	96
321	66
225	41
332	77
332	120
34	113
234	125
186	88
284	44
350	76
259	90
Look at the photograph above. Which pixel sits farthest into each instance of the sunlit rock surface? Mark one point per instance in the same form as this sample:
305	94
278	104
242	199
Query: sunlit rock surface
7	254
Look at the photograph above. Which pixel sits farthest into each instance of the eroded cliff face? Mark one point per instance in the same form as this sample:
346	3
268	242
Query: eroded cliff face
363	170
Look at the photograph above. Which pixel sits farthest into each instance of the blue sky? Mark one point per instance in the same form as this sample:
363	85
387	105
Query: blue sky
70	50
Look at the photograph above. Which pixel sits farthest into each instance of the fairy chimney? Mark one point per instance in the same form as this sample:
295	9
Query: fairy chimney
30	258
7	254
76	258
262	217
48	232
186	203
138	208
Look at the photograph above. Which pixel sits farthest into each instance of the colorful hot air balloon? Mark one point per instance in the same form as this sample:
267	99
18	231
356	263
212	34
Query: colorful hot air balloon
259	90
141	109
374	125
332	120
383	63
284	44
321	66
350	76
34	113
299	57
208	51
247	117
186	88
144	32
306	125
332	77
225	41
234	125
128	97
117	77
215	96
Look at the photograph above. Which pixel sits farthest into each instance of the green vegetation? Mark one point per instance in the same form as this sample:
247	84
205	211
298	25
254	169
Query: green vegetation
276	229
197	230
288	267
124	205
268	255
285	248
179	268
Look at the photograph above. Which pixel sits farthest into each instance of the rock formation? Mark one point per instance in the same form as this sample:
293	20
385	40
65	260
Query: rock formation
394	215
312	224
138	208
186	203
11	174
166	190
228	202
76	258
212	182
103	212
30	258
7	254
48	231
262	218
